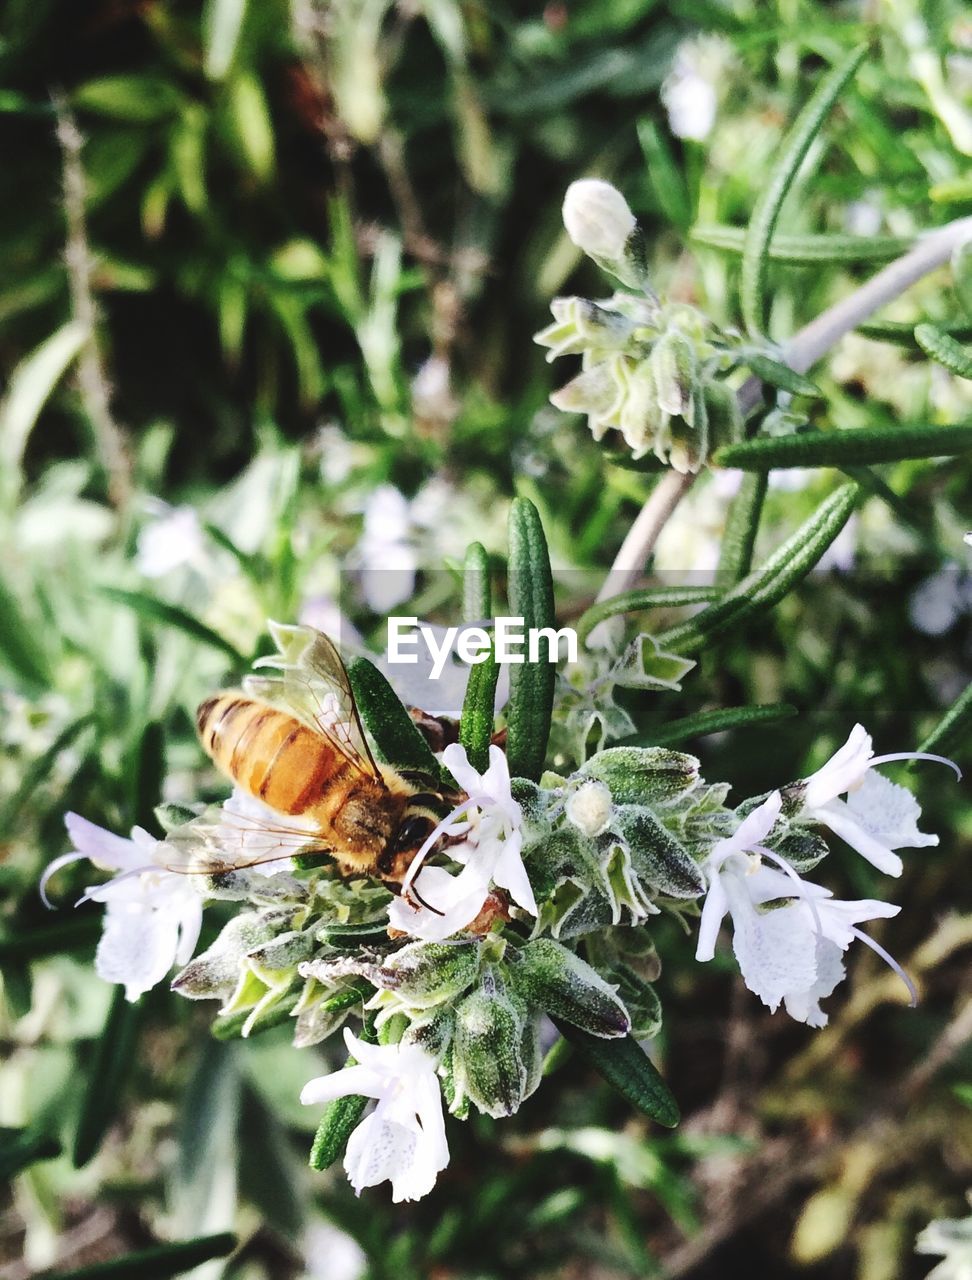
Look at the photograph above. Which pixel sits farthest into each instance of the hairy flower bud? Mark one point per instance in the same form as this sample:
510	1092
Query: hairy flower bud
554	979
424	974
645	775
487	1051
597	218
215	973
590	808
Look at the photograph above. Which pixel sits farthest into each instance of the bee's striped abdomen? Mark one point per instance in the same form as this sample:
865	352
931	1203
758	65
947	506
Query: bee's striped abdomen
267	752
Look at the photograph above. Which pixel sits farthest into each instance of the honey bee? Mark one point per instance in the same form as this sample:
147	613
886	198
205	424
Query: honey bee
295	742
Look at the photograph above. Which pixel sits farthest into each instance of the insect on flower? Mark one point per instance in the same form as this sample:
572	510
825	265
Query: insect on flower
295	742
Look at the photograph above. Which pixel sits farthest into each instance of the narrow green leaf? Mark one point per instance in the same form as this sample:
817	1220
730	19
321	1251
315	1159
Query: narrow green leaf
627	1068
742	525
19	646
476	720
170	615
953	728
717	721
762	224
782	376
20	1148
39	770
962	276
147	774
810	249
30	387
79	933
250	564
664	174
394	731
531	683
902	332
341	1117
160	1262
861	446
945	350
642	598
113	1059
766	586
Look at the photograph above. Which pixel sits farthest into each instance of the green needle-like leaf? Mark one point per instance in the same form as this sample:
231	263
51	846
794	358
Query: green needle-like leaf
642	598
902	333
717	721
158	1263
476	721
626	1066
392	728
861	446
20	1148
113	1059
954	727
807	250
340	1118
945	350
742	525
170	615
766	586
531	683
759	233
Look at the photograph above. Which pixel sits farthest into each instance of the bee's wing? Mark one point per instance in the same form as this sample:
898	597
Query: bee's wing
313	685
230	838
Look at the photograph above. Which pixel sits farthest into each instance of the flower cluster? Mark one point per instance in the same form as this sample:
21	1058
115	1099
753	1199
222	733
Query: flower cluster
529	901
654	371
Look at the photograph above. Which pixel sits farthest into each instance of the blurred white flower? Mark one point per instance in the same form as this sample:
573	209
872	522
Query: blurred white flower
792	953
173	539
597	218
940	601
490	853
331	1254
385	554
951	1239
432	397
878	816
403	1140
691	89
153	915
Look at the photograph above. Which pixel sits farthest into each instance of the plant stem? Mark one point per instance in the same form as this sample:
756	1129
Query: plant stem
802	351
110	441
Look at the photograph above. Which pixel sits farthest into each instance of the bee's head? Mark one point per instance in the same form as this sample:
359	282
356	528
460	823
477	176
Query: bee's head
416	826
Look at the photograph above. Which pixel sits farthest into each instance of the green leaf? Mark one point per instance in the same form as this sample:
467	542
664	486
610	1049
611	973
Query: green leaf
664	174
476	720
809	249
780	375
902	332
861	446
766	586
953	728
160	1262
39	770
531	683
639	599
113	1059
945	350
717	721
742	525
394	731
19	645
340	1118
762	224
170	615
222	23
29	389
79	933
229	1026
148	773
627	1068
138	98
20	1148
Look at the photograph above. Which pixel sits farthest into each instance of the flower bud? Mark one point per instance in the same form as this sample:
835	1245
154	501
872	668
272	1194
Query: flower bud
487	1051
676	374
554	979
641	1002
645	775
424	974
597	218
658	859
590	808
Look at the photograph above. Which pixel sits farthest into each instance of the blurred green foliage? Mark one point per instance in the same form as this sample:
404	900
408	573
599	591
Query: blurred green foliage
310	248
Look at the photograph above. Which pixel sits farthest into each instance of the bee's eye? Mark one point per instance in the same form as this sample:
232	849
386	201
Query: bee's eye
413	831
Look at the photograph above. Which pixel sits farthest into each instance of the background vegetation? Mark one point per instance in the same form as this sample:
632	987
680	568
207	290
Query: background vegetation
279	265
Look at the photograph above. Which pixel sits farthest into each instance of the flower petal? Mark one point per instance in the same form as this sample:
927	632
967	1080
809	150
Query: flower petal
137	947
842	822
104	848
842	772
